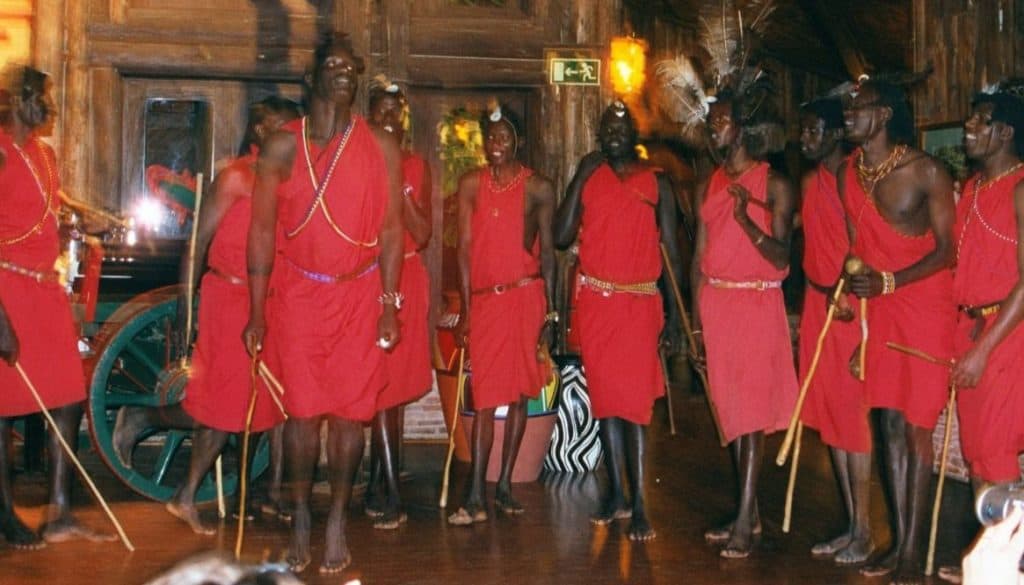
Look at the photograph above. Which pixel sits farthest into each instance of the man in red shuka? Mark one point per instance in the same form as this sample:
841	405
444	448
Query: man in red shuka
506	265
36	327
335	183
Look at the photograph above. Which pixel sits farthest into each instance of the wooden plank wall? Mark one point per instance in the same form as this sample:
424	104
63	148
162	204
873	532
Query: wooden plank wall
970	43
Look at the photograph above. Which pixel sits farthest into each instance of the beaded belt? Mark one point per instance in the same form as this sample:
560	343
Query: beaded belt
503	288
334	278
745	284
981	311
606	288
232	279
52	277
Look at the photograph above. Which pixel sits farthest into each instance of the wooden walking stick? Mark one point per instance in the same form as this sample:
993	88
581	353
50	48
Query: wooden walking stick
794	421
243	478
937	506
788	516
274	388
855	265
443	502
688	331
668	394
929	567
71	455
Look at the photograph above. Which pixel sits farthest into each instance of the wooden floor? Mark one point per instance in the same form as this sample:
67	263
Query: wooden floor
691	488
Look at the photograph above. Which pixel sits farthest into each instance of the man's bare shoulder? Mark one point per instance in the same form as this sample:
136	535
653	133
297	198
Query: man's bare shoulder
469	182
918	161
537	185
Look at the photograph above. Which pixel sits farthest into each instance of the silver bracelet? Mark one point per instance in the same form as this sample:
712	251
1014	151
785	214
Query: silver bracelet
392	298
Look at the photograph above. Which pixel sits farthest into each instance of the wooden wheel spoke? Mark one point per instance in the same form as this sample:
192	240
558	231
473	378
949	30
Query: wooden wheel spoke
172	443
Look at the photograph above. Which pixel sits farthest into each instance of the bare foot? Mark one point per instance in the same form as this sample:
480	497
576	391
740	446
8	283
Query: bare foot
68	528
612	510
390	520
640	529
739	545
299	557
506	503
467	516
722	534
130	423
829	548
336	554
881	566
908	573
856	552
951	574
189	515
18	535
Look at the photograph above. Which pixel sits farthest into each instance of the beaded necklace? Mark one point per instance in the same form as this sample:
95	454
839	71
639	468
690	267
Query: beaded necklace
979	185
496	188
320	187
46	194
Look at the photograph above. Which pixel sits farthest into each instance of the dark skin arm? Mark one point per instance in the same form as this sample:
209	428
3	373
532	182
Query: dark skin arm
774	247
667	226
273	167
226	190
468	186
937	186
390	236
566	223
970	367
540	207
697	277
416	215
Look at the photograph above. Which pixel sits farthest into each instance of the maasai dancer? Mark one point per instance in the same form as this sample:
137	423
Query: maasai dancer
622	211
217	396
741	259
988	288
507	286
836	404
337	304
410	374
36	327
899	206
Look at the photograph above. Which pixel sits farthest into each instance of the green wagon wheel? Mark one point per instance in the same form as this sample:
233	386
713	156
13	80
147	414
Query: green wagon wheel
132	366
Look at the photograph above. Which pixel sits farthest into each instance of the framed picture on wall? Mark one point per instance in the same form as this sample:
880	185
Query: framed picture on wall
945	142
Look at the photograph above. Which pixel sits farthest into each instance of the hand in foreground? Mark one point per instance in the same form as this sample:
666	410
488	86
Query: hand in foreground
967	370
995	558
388	329
461	331
253	334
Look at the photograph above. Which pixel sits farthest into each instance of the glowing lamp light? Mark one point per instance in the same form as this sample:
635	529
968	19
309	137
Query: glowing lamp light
628	61
149	213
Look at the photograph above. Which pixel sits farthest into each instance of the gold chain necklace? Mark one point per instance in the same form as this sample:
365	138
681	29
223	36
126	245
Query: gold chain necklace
46	194
497	188
874	175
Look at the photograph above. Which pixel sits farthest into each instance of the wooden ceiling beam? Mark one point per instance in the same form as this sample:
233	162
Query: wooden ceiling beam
825	17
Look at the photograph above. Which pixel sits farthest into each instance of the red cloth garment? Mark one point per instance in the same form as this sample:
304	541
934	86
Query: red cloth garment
619	242
39	311
836	404
410	373
504	325
746	334
219	386
992	413
920	315
326	328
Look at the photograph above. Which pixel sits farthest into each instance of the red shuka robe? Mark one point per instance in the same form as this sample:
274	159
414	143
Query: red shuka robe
920	315
746	334
40	313
326	332
836	404
991	414
410	372
504	327
619	242
219	387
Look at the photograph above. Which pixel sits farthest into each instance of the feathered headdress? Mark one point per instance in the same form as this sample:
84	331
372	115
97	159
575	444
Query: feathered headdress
730	33
382	84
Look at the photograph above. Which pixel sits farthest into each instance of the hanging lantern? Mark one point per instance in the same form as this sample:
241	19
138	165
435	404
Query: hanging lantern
628	62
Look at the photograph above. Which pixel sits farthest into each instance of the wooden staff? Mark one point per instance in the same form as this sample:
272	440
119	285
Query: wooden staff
855	265
668	395
243	481
929	567
275	389
937	506
794	420
688	330
71	455
218	474
443	502
788	516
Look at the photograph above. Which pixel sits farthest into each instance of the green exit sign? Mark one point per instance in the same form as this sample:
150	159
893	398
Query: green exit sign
575	71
